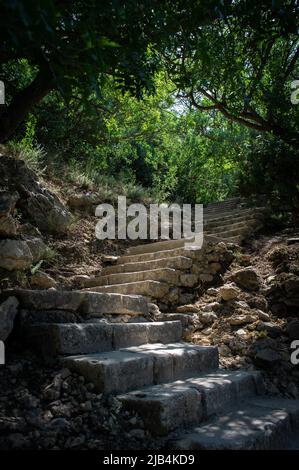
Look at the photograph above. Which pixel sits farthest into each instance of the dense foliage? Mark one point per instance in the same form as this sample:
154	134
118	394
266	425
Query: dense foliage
189	99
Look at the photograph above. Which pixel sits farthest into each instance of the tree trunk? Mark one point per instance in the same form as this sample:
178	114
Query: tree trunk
22	103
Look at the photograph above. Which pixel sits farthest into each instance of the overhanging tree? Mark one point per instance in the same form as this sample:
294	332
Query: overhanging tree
78	43
242	66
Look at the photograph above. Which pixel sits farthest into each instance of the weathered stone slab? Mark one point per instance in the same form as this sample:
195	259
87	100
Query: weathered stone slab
88	303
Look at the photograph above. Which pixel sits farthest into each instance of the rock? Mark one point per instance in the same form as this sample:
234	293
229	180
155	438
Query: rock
84	201
29	230
247	278
213	306
241	319
48	213
188	309
214	267
188	280
292	329
38	248
15	255
229	292
272	330
42	280
267	358
241	333
41	205
224	350
8	227
262	315
7	202
212	292
258	302
244	259
208	317
8	312
81	280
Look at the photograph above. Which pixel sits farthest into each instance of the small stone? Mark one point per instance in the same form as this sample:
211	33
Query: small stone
229	292
241	319
208	317
263	315
247	278
188	309
212	292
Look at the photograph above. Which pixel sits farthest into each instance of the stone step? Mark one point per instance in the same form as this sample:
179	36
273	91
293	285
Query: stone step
168	275
157	246
86	338
233	220
132	368
233	215
258	424
154	289
176	262
83	302
167	407
231	233
232	226
155	255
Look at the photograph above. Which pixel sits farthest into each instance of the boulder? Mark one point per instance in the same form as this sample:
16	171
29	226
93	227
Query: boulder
42	206
38	248
229	292
48	213
15	255
8	225
7	202
8	312
247	278
84	201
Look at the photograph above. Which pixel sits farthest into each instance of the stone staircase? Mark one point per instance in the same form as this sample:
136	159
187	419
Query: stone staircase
166	272
177	388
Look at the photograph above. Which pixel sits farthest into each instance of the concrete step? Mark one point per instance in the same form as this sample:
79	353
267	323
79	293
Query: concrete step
140	366
176	262
168	275
83	302
154	289
87	338
258	424
167	407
